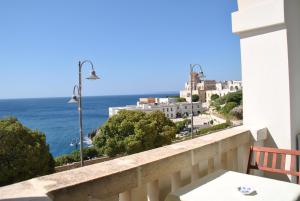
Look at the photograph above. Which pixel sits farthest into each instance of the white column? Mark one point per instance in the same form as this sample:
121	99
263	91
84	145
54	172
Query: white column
195	173
270	46
125	196
153	191
175	181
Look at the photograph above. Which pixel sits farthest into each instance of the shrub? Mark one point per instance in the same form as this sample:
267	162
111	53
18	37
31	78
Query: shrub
180	125
235	97
213	128
64	160
24	153
237	112
195	98
88	153
134	131
228	107
214	97
180	99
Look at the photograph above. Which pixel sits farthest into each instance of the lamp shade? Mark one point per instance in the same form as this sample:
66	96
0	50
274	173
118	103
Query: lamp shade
93	76
201	75
74	99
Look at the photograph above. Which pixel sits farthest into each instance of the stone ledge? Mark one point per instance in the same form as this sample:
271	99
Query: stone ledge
112	177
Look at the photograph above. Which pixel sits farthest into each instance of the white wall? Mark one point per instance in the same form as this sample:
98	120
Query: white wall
292	13
269	31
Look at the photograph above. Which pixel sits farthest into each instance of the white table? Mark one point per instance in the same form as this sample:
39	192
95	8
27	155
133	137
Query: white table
223	186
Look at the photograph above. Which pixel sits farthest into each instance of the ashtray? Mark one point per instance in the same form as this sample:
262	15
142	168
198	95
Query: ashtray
246	190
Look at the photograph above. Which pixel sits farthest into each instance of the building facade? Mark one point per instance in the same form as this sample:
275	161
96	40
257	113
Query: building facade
168	106
206	88
223	88
199	87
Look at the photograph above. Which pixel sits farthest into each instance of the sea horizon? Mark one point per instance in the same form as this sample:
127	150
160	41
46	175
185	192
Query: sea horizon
59	120
104	95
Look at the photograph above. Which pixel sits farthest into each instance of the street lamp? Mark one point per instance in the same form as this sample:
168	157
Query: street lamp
76	98
201	75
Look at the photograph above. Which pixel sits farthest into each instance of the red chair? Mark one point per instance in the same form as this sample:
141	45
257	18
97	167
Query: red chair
277	164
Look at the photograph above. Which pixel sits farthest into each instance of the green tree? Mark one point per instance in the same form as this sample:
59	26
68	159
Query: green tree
235	97
215	128
180	125
221	102
195	98
228	107
24	153
179	100
134	131
214	97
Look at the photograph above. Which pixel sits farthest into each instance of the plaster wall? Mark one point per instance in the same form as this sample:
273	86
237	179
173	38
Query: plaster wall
292	15
270	46
264	62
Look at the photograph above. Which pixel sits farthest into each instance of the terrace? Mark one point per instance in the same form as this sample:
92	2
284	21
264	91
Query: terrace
269	31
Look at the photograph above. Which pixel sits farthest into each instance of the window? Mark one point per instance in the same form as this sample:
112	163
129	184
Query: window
167	109
185	107
172	115
171	109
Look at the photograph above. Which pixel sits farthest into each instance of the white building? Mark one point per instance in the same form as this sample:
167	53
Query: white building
206	88
199	87
169	106
223	88
270	45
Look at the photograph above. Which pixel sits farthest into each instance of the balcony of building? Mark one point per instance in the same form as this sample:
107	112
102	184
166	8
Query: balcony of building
270	46
149	175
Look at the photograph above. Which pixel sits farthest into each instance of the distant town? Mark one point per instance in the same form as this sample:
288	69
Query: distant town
178	107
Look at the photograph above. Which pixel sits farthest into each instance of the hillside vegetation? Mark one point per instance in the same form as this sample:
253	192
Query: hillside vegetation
229	105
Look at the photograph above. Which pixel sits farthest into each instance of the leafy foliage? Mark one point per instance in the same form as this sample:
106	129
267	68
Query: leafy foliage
228	107
24	153
195	98
226	103
237	112
179	100
214	97
88	153
236	97
134	131
180	125
213	128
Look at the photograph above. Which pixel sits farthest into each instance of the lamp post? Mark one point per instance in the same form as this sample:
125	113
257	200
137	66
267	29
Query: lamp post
201	74
77	98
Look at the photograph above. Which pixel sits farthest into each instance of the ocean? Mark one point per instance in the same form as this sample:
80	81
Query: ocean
59	120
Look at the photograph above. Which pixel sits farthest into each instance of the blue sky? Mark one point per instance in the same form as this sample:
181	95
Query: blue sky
137	46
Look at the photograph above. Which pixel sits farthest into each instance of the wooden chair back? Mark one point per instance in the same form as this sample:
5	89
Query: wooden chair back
259	160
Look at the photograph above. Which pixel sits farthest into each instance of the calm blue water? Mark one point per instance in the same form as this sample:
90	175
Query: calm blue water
59	120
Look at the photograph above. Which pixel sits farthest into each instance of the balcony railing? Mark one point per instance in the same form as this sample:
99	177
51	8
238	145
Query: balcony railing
149	175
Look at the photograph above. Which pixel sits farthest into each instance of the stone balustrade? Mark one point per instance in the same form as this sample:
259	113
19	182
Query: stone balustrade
146	176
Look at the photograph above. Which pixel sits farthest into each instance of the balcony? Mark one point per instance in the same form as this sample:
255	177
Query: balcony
270	45
149	175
